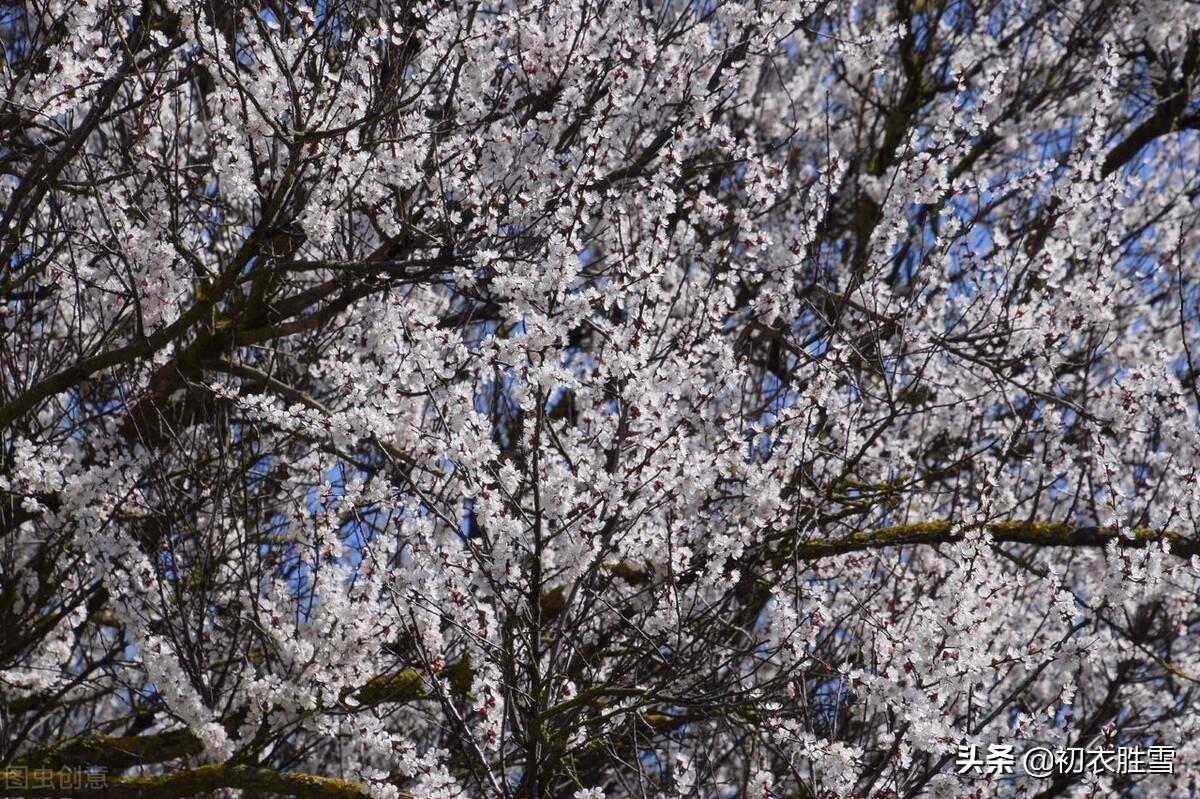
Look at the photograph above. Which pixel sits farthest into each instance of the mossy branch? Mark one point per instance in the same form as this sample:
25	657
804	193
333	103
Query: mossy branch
409	685
122	752
109	751
947	531
202	779
404	686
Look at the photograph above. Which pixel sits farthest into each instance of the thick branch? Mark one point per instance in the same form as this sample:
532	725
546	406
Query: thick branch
113	752
46	783
1042	534
944	531
1169	115
108	751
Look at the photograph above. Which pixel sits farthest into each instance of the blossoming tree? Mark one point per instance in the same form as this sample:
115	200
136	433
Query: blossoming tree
597	398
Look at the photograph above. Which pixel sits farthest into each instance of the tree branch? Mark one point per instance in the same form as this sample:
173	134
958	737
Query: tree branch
1042	534
49	783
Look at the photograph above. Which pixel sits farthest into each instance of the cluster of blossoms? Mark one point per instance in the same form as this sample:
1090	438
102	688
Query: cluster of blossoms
599	398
